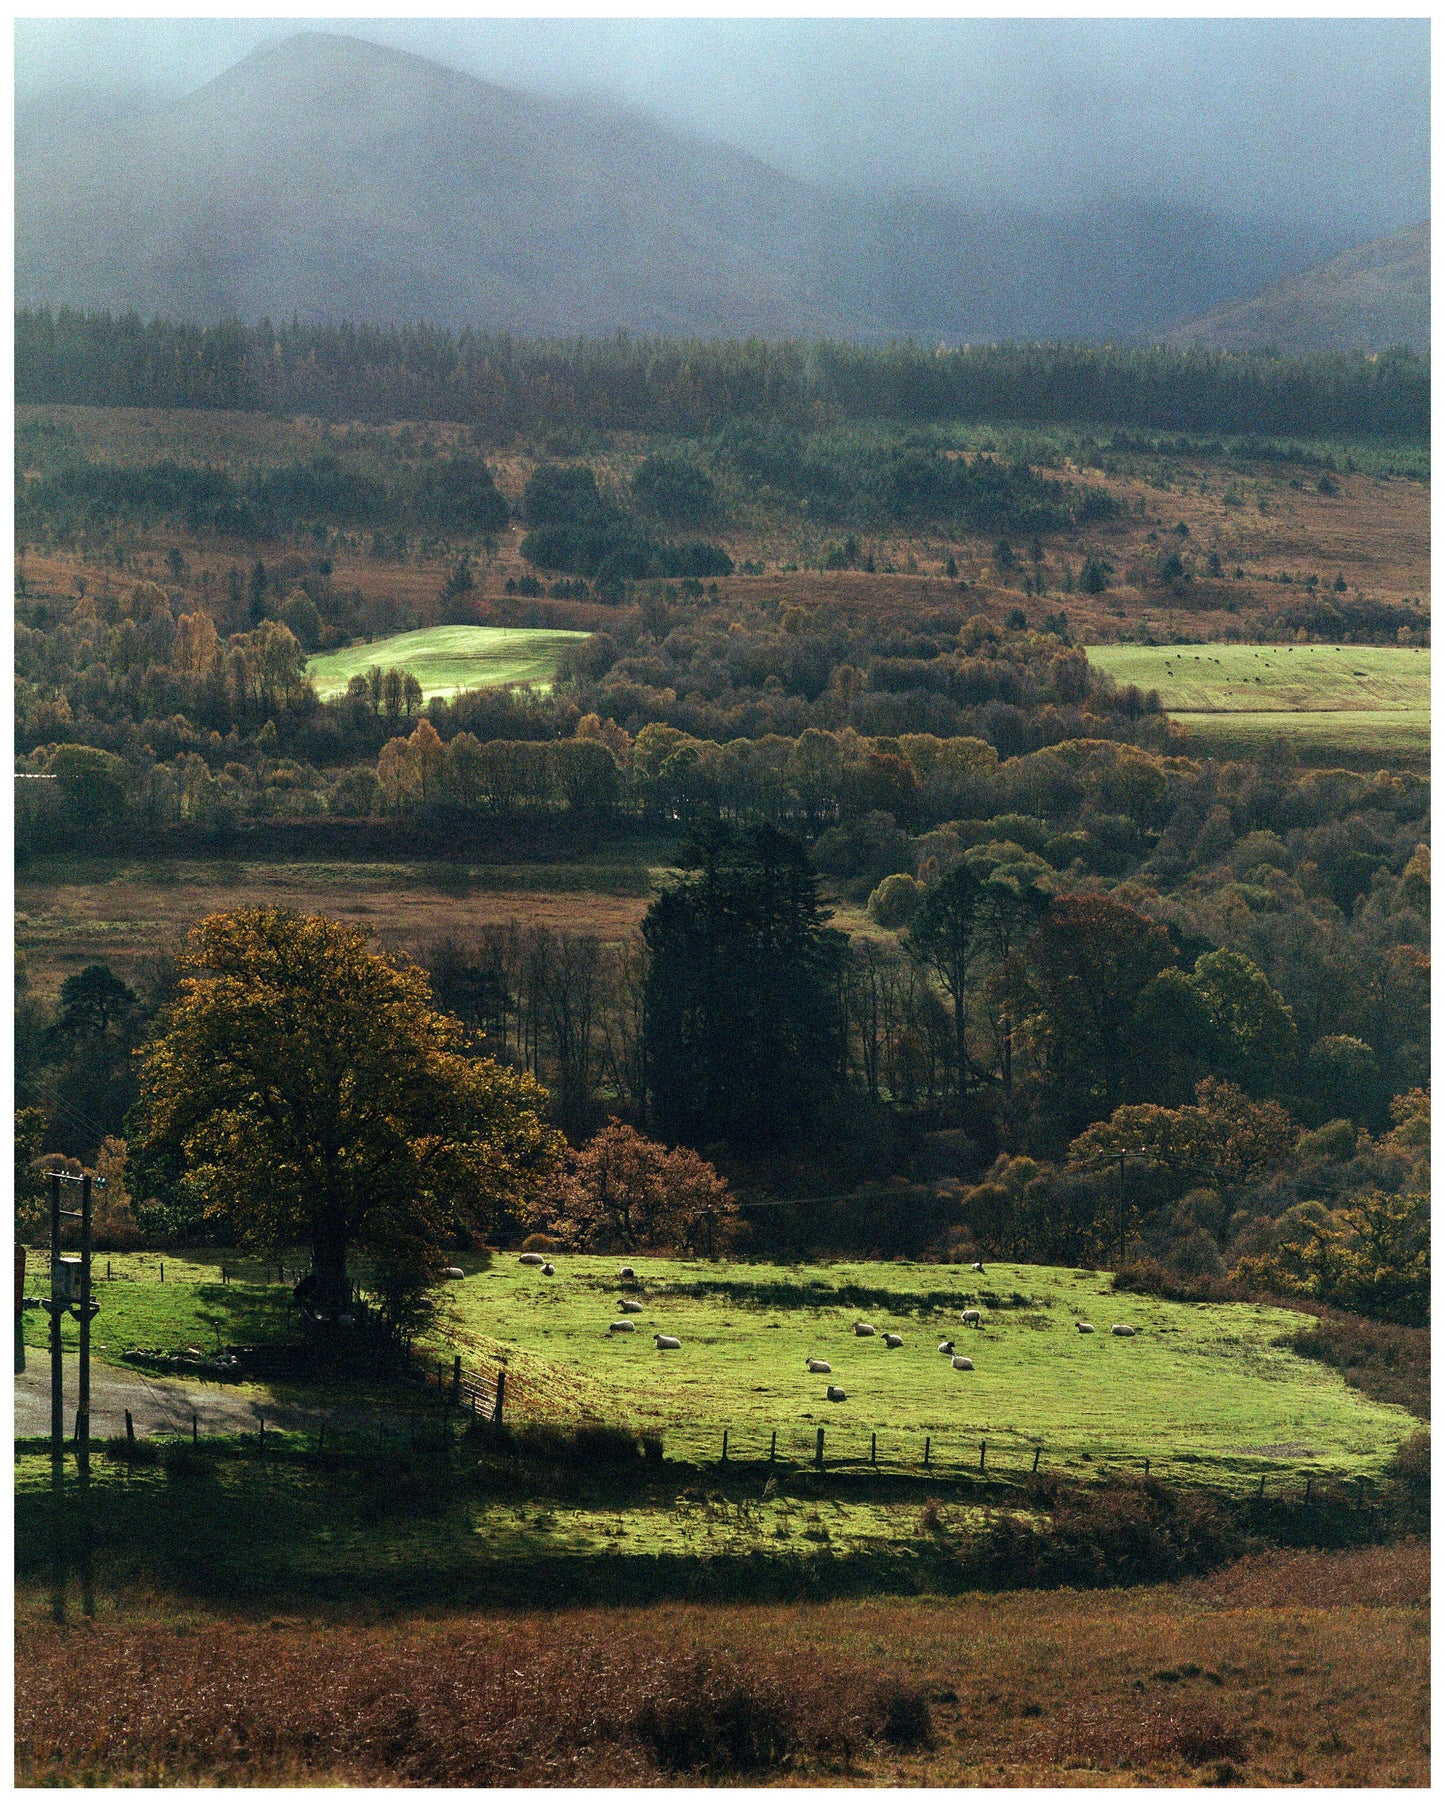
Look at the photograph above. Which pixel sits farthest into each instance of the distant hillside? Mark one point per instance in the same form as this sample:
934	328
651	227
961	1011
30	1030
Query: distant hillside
331	179
1368	299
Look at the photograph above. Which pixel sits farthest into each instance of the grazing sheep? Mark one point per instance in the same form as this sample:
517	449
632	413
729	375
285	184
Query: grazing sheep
630	1306
531	1260
864	1329
626	1273
892	1341
548	1270
836	1395
1084	1329
666	1342
452	1273
977	1267
1121	1329
962	1364
624	1326
945	1348
973	1317
818	1366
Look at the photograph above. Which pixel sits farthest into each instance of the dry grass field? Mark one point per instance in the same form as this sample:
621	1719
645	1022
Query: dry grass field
1288	1669
123	912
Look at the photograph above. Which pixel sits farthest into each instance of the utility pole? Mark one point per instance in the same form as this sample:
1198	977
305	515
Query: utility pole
86	1310
56	1305
1121	1208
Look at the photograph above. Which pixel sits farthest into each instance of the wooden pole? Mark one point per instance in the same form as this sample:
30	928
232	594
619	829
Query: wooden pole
195	1430
501	1395
57	1382
927	1449
1261	1486
818	1456
82	1414
457	1379
873	1449
725	1445
1037	1453
129	1434
163	1272
1146	1467
773	1447
982	1452
1309	1484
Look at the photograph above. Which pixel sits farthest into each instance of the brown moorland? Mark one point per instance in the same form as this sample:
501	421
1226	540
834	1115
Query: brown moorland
1291	1668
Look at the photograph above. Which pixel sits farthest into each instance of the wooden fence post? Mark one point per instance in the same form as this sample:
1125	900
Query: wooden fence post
163	1272
1037	1453
725	1445
927	1449
773	1447
818	1456
1146	1467
873	1449
1309	1485
982	1452
1261	1486
129	1433
457	1378
501	1395
1360	1493
261	1434
195	1429
107	1269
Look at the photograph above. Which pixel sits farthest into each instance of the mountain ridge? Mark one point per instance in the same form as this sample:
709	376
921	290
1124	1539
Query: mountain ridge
327	177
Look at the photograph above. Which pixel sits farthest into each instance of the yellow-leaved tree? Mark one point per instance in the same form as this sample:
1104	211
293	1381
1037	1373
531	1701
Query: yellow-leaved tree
304	1086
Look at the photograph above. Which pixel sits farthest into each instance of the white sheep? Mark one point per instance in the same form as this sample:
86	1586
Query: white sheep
836	1395
891	1341
452	1273
973	1317
817	1366
1121	1329
531	1260
630	1307
548	1271
977	1267
1084	1329
625	1326
864	1329
626	1273
962	1364
945	1348
665	1341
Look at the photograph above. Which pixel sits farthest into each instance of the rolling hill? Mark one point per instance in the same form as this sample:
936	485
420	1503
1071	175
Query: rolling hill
330	178
1368	299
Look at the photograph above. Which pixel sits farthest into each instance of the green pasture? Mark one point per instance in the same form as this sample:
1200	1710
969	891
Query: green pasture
1347	701
447	660
1202	1391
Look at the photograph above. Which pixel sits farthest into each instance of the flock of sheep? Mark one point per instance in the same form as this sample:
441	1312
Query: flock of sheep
835	1394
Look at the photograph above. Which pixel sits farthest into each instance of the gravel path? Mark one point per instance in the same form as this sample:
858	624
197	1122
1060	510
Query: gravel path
158	1405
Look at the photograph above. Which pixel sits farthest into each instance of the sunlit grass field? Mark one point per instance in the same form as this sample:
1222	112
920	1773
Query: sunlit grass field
447	660
1354	701
1202	1391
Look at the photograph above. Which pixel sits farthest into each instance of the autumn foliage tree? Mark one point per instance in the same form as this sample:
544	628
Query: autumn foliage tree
622	1193
305	1088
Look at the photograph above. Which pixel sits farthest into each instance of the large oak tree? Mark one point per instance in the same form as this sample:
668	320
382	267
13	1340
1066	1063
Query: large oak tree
305	1086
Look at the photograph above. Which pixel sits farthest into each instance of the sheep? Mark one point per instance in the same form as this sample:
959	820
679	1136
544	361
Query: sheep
973	1317
817	1366
945	1348
630	1307
452	1273
548	1271
665	1341
864	1329
626	1273
1121	1329
1084	1329
836	1395
625	1326
962	1364
531	1260
892	1341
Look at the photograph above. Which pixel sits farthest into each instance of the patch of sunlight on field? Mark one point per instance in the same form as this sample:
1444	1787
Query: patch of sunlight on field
448	660
1217	678
1205	1392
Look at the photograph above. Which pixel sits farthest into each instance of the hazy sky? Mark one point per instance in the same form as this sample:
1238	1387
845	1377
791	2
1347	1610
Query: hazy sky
1319	119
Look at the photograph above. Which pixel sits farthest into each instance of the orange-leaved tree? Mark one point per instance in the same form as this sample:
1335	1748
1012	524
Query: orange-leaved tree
304	1086
621	1192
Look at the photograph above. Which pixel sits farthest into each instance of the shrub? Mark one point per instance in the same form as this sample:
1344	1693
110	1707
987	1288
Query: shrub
895	902
718	1718
541	1244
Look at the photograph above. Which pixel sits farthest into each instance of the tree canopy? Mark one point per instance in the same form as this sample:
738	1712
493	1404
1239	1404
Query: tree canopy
305	1087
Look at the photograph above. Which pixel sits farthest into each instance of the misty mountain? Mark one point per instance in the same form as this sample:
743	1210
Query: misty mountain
330	178
1366	299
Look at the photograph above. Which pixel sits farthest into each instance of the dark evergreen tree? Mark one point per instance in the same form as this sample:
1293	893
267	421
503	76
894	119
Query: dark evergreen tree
742	1029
